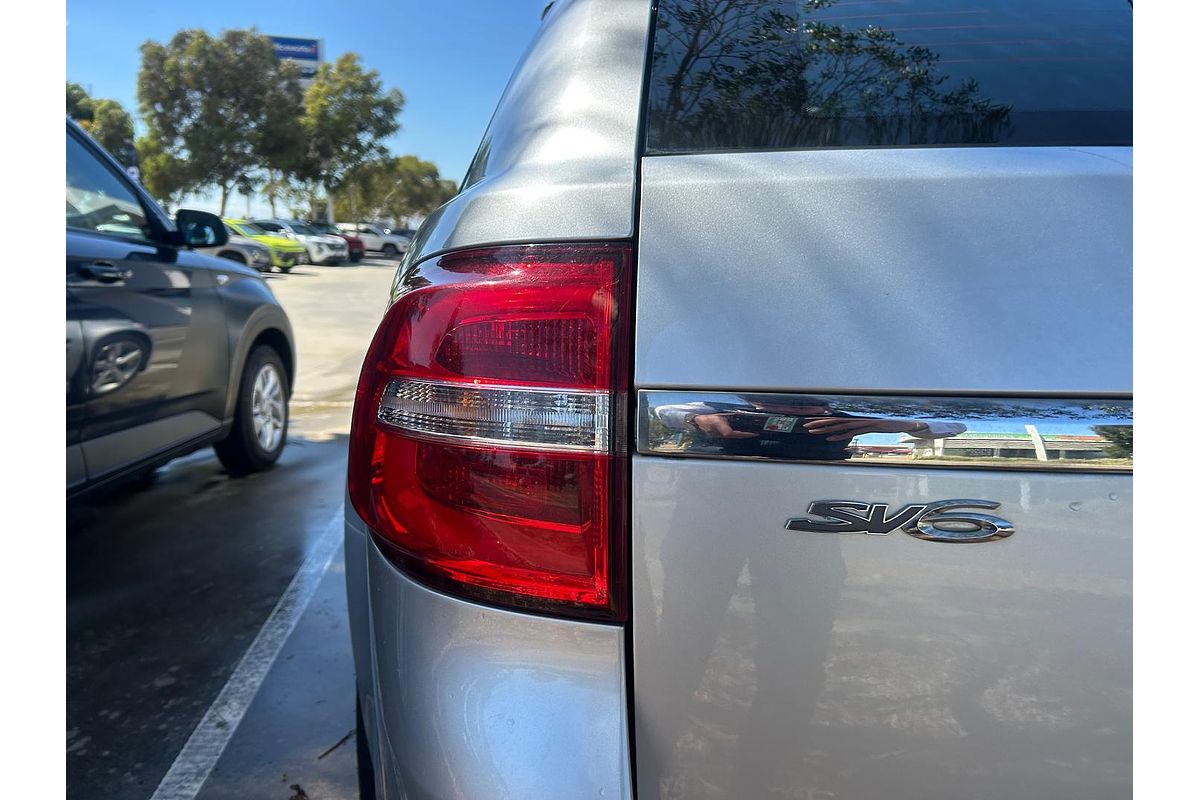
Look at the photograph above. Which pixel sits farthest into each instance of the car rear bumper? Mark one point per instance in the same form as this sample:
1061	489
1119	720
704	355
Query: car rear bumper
465	700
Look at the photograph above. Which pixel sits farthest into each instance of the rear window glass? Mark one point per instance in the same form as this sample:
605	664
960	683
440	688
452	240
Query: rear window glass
766	74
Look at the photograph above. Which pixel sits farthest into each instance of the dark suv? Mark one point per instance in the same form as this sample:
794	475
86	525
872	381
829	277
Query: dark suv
167	350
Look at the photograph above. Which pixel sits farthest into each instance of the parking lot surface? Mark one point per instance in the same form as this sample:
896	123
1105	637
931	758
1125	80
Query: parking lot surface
169	584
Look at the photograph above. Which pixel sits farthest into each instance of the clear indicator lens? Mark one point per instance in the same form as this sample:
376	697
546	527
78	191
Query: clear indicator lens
562	419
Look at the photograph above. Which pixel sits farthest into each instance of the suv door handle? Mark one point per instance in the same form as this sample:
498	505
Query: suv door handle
105	271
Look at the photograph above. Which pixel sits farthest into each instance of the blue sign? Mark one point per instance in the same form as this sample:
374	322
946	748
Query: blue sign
298	49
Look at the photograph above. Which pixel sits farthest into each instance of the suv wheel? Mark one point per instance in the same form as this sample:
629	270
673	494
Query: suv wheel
260	420
390	250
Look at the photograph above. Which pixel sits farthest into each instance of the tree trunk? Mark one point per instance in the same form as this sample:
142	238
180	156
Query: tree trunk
224	197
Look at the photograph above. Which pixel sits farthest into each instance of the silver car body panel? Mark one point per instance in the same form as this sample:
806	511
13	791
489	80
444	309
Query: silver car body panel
462	700
559	159
471	701
890	270
776	657
846	665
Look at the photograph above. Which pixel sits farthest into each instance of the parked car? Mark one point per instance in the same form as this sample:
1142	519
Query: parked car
831	499
285	253
354	244
322	249
168	349
243	250
376	238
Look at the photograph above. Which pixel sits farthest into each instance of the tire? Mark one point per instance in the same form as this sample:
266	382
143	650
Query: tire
390	250
362	752
250	446
234	256
286	270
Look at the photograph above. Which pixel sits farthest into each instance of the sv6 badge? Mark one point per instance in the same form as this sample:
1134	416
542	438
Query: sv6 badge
940	521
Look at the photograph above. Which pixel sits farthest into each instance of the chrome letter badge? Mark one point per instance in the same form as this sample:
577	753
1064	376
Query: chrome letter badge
941	521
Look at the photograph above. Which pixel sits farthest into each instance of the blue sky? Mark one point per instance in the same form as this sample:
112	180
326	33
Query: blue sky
451	59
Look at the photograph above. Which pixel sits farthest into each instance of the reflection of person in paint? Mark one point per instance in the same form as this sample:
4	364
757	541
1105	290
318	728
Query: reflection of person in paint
795	426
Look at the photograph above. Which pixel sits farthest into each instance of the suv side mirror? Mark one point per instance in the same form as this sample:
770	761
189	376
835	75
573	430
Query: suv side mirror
200	229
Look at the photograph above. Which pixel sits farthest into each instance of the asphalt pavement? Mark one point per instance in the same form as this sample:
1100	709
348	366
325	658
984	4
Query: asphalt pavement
169	585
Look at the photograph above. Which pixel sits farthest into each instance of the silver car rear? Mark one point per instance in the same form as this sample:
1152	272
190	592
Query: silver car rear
878	430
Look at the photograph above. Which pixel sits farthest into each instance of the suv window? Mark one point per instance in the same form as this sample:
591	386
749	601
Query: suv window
769	74
269	226
246	228
98	200
369	229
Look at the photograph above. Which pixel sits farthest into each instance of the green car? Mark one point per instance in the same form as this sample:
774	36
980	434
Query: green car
285	253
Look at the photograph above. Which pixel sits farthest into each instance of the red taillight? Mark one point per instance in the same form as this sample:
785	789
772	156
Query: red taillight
486	451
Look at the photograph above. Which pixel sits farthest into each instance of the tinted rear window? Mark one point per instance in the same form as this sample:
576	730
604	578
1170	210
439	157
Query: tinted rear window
766	74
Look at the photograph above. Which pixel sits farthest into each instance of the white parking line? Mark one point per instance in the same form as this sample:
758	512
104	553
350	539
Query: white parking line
199	755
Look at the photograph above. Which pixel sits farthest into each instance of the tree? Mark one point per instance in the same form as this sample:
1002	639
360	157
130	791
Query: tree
1120	439
217	105
106	120
79	104
347	115
164	175
760	76
419	188
365	190
399	187
112	127
275	188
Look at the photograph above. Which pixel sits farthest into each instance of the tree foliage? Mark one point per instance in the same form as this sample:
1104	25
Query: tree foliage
218	105
400	188
112	127
760	75
163	174
347	115
1120	439
79	104
106	120
221	111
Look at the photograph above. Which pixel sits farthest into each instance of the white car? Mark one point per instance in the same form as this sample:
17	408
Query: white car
322	248
378	239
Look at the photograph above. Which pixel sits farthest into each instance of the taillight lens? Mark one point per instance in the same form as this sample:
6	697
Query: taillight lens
486	452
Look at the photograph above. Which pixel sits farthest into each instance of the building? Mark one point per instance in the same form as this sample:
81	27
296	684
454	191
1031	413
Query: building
974	444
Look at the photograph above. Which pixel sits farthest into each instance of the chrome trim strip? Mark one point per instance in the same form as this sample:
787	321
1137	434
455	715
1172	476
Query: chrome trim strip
1061	434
